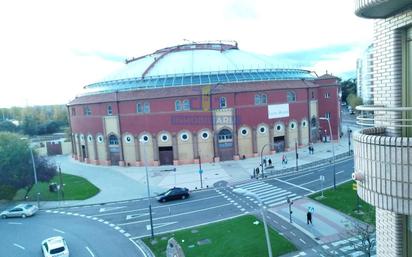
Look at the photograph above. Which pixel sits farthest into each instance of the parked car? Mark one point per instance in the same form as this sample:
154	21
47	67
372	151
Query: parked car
55	246
173	194
21	210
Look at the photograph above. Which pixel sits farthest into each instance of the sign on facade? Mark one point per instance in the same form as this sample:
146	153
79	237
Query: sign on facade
278	111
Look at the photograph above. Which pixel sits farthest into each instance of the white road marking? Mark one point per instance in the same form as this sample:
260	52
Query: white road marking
293	234
310	173
193	226
306	189
106	209
176	215
19	246
157	207
309	182
90	251
138	247
339	172
283	227
159	225
15	223
135	216
58	230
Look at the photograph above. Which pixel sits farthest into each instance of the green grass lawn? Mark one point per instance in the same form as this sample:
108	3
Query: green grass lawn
344	199
76	188
237	237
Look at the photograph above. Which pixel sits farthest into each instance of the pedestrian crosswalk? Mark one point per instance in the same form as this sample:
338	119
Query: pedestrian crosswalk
269	194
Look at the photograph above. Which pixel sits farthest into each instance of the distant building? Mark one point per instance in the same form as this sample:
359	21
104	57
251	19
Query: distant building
364	76
204	102
383	153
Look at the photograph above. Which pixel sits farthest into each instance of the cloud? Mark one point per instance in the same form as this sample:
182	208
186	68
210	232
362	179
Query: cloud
99	54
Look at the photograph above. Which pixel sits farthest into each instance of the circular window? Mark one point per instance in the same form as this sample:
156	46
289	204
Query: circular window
205	135
184	136
244	131
292	125
304	123
89	138
278	127
100	138
128	139
145	138
262	129
164	137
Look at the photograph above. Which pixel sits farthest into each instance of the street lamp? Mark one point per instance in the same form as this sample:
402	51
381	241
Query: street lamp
148	187
333	150
246	192
349	132
35	177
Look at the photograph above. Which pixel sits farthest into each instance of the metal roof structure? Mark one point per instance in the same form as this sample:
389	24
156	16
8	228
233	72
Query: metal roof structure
194	64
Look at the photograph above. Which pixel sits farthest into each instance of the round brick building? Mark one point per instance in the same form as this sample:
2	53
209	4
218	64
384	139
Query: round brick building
205	102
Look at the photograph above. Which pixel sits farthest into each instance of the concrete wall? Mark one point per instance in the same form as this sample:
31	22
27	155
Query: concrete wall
245	141
129	146
185	147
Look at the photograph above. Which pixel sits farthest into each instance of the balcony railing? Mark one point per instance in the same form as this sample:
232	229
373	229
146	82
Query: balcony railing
381	116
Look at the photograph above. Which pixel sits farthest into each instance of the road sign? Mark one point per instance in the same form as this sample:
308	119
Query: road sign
200	171
355	186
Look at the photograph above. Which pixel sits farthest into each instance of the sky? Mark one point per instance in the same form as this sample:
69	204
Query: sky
49	50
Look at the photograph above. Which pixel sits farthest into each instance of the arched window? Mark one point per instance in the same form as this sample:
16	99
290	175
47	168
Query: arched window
178	105
109	110
225	135
263	99
139	107
113	140
222	103
313	122
186	105
291	96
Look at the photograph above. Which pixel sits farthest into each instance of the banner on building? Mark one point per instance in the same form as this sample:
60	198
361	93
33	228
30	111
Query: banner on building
278	111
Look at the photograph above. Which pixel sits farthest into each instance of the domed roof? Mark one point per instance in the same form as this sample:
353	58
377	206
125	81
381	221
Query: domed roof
194	64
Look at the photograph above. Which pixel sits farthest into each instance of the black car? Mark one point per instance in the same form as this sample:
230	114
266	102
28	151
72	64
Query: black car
173	194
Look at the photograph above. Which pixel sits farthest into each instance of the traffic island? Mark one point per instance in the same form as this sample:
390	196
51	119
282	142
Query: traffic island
241	236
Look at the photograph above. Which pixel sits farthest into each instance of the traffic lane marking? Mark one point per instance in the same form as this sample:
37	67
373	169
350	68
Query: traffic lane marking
15	223
19	246
187	201
294	185
58	230
310	182
176	215
192	226
90	251
307	174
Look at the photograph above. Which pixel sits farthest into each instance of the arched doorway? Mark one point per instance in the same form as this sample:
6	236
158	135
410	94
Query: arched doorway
114	150
225	145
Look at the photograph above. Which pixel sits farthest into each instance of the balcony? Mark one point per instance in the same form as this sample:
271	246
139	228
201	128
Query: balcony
379	8
383	159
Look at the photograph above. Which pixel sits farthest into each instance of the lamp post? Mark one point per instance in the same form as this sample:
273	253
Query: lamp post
35	177
148	187
333	150
246	192
349	132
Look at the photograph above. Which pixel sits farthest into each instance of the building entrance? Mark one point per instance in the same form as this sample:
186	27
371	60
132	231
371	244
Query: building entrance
225	145
279	144
114	155
166	155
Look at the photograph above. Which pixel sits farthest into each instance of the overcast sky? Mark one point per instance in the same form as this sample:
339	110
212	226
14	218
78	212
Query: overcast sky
49	50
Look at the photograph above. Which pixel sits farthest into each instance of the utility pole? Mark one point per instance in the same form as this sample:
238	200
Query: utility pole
297	155
290	202
200	172
349	132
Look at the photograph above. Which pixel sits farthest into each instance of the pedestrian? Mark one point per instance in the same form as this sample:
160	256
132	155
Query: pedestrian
286	159
313	149
310	149
309	217
283	159
264	162
257	172
270	162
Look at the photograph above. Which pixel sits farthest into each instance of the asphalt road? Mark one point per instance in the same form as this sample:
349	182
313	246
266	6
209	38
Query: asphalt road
94	230
85	237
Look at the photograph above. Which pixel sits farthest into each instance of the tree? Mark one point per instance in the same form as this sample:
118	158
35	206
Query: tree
364	233
353	101
7	126
16	167
348	87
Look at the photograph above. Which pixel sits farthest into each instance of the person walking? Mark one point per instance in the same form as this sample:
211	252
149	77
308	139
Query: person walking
270	162
309	217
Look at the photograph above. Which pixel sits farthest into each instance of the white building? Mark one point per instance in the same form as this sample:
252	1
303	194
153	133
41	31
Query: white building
364	76
383	153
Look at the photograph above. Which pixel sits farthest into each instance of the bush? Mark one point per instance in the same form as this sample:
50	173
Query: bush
7	192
